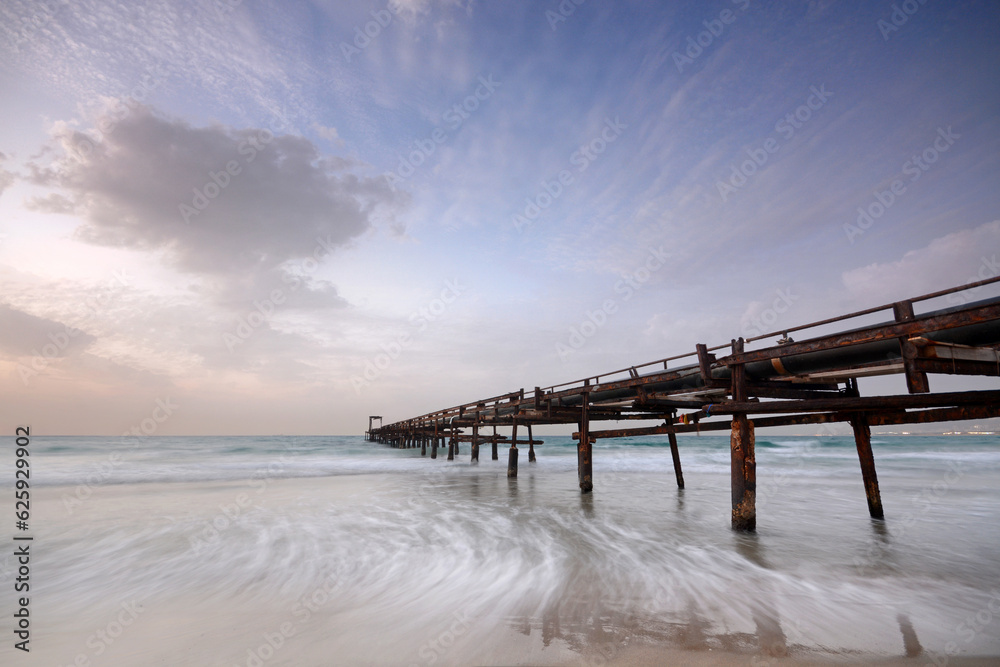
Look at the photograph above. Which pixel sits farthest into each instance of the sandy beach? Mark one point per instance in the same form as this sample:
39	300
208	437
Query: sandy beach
391	559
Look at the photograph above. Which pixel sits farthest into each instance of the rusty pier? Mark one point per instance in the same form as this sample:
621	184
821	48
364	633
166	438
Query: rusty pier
811	381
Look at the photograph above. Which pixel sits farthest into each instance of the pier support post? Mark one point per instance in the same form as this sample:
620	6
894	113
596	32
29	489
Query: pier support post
677	459
512	456
451	448
496	457
423	445
531	447
434	442
916	380
863	440
743	465
583	449
475	443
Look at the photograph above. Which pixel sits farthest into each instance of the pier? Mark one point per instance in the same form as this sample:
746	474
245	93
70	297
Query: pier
732	388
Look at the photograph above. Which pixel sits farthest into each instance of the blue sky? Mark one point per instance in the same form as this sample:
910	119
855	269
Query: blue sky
286	216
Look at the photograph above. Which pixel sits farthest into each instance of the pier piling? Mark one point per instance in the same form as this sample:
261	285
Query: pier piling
583	449
743	466
512	456
863	440
677	459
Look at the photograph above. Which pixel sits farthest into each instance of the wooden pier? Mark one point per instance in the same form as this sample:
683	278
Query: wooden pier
812	381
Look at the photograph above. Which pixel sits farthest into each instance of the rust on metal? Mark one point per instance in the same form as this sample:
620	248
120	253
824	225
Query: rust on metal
787	383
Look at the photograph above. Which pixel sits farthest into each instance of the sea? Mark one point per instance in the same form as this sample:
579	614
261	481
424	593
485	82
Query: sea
257	551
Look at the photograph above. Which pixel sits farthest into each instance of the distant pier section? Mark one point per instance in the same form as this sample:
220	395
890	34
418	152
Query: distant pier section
791	382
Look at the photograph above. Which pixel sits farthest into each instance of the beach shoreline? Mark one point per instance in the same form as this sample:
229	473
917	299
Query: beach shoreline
443	563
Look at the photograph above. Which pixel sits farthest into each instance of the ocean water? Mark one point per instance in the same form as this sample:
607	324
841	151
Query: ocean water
266	550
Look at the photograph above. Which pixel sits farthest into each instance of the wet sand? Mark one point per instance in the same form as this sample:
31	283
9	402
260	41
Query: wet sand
121	582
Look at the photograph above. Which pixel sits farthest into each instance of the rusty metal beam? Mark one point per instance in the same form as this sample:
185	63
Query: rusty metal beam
918	325
867	403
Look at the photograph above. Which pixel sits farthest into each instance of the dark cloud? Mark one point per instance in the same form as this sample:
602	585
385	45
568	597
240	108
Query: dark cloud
222	202
22	334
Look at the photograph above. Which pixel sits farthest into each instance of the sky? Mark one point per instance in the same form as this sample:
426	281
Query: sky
241	217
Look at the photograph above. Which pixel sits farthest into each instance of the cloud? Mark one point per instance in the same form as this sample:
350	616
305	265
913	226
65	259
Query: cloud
23	334
231	204
948	261
417	7
328	133
6	178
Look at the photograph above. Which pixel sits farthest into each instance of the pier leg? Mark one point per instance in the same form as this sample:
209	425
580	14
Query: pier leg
451	448
475	443
495	456
458	449
744	474
863	439
677	460
531	447
434	443
512	456
583	450
423	445
743	465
